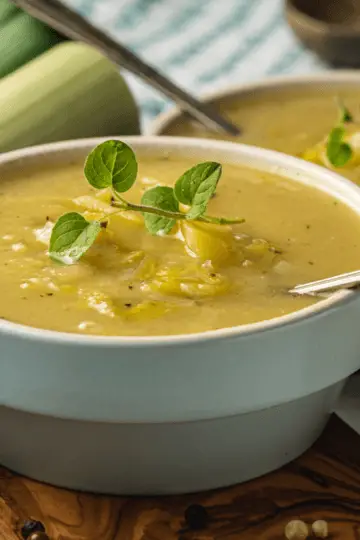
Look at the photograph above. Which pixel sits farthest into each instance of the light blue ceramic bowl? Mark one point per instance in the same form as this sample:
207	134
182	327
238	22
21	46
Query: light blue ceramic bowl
183	413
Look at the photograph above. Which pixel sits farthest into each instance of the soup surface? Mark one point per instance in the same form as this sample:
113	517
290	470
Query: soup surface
287	121
198	278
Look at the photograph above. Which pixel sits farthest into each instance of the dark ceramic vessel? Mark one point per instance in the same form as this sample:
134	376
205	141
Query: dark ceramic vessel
331	28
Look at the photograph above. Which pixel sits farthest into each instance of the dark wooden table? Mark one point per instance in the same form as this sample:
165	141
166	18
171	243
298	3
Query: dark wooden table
322	484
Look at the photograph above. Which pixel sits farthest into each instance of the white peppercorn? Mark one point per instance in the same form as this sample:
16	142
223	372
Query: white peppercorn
296	530
320	529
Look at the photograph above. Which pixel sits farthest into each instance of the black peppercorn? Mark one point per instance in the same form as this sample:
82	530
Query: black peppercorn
30	527
196	517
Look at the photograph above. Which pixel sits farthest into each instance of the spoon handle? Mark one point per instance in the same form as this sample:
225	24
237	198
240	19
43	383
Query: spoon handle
71	24
342	281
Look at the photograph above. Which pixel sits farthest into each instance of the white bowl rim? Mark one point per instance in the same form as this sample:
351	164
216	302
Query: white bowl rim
318	309
341	76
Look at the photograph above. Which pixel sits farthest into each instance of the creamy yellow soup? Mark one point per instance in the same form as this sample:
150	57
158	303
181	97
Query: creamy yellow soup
196	279
292	122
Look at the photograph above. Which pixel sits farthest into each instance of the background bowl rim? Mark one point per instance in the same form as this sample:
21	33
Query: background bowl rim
229	91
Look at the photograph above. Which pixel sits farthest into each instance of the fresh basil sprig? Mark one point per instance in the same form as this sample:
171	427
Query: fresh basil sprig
161	197
113	165
338	151
71	237
196	187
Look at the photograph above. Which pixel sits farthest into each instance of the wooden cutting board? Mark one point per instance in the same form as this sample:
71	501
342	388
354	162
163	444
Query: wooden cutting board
322	484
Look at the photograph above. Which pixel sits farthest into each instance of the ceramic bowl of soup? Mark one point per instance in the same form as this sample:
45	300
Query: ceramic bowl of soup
179	362
290	114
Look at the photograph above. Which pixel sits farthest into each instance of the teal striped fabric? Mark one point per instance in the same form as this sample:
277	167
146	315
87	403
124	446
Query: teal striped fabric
201	44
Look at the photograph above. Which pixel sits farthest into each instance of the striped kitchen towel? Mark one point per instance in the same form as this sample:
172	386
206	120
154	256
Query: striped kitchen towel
201	44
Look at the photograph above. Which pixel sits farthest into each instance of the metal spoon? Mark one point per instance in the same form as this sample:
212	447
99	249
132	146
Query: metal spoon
71	24
349	280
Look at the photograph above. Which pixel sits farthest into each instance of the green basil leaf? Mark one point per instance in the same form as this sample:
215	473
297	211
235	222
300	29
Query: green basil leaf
188	185
163	198
112	163
338	152
205	191
345	115
71	237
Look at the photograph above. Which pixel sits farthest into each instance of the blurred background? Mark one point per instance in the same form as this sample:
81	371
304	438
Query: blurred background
51	90
201	44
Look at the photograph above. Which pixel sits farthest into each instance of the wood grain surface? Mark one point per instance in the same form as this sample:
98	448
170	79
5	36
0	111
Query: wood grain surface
322	484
